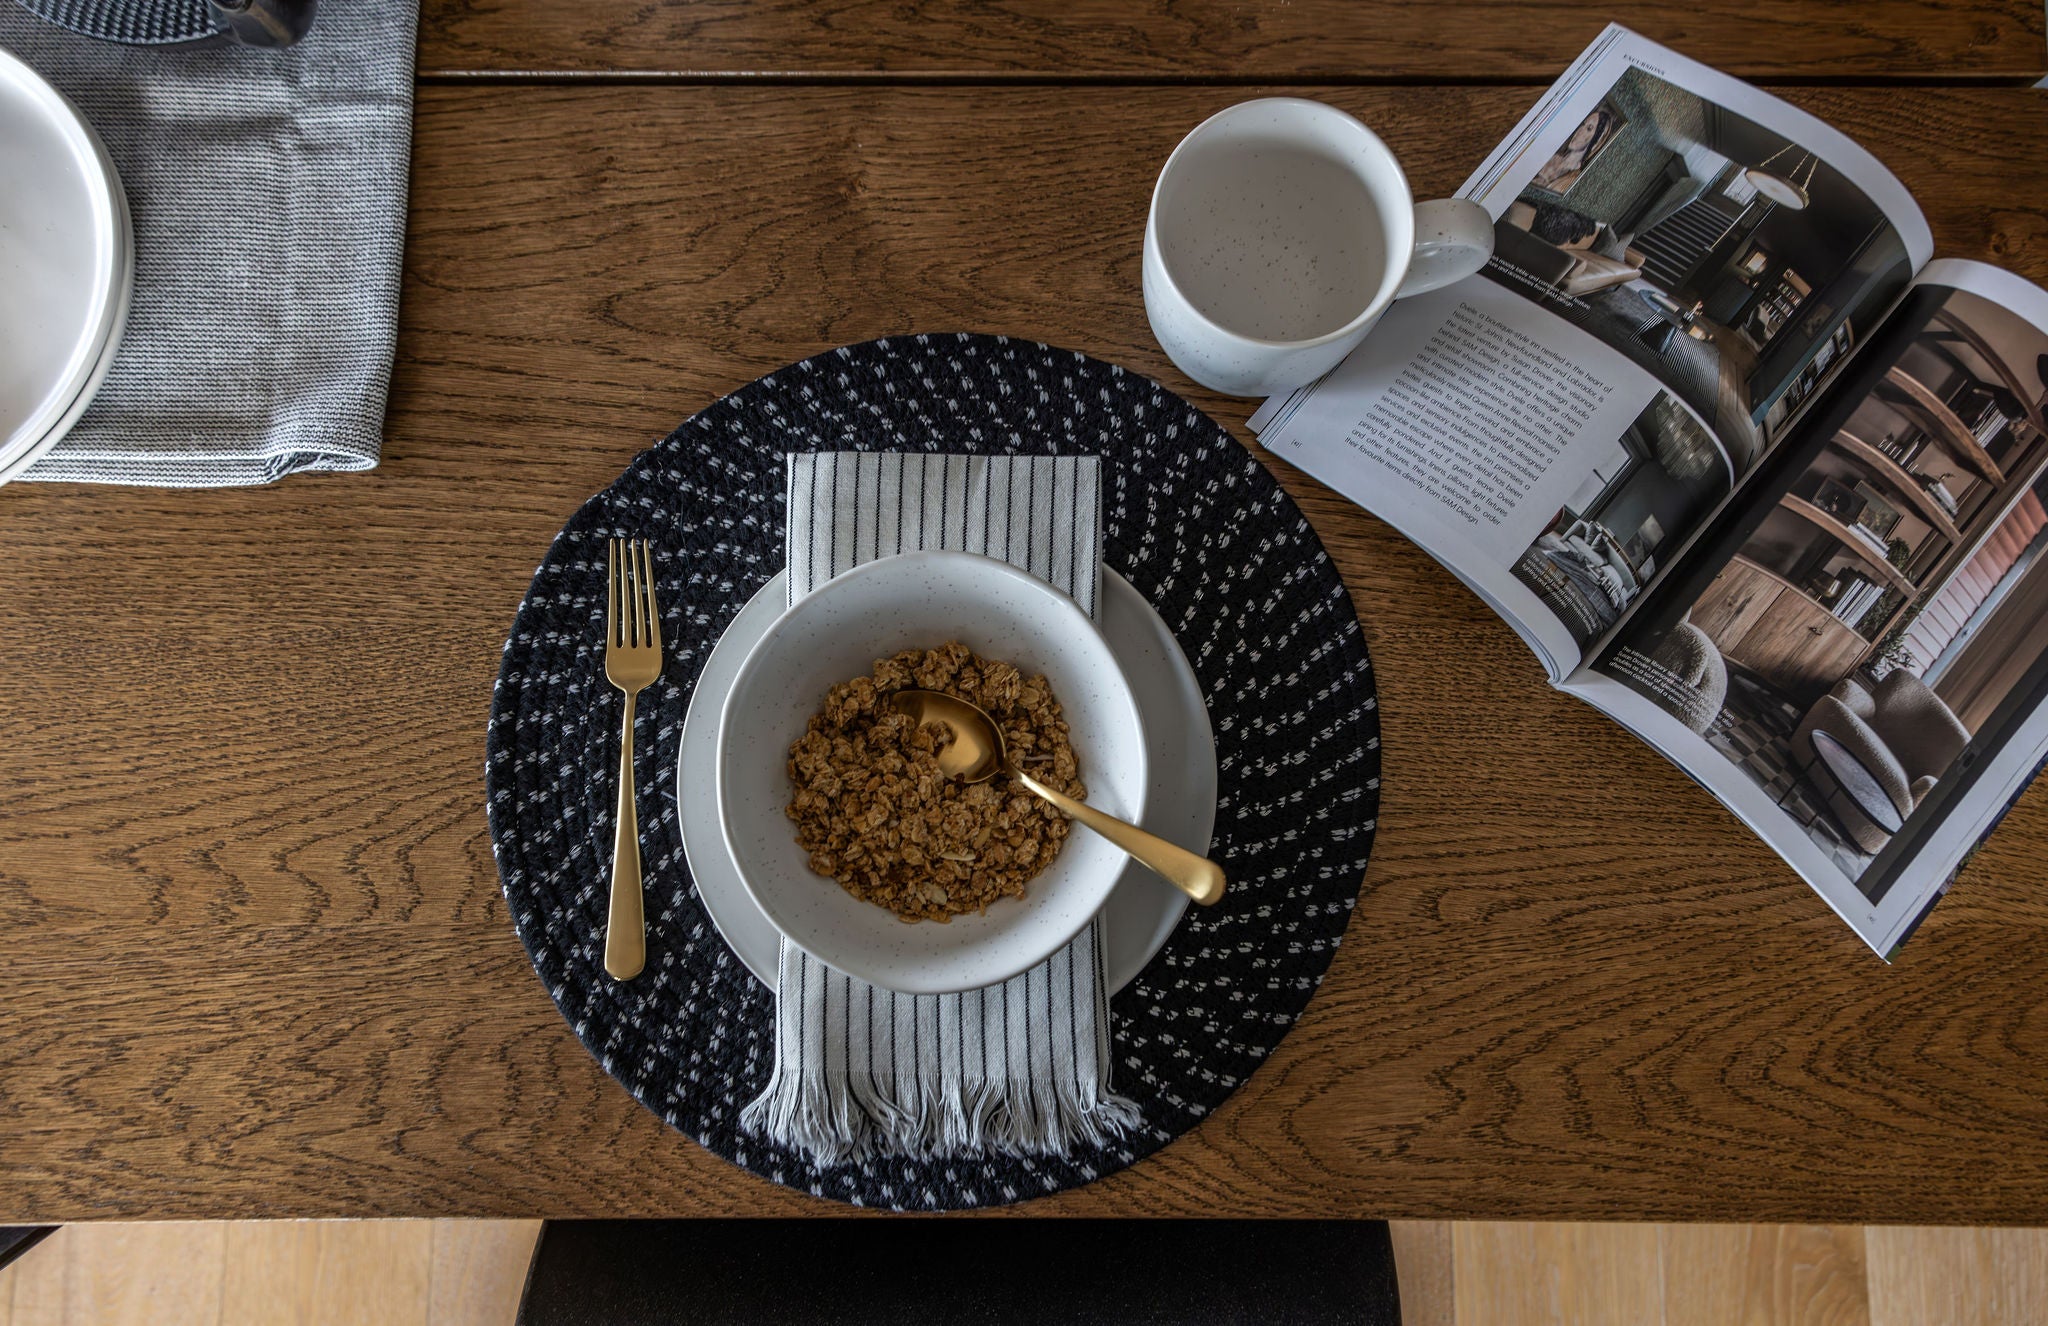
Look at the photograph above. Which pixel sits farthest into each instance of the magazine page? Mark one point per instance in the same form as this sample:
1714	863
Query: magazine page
1682	264
1854	657
1547	472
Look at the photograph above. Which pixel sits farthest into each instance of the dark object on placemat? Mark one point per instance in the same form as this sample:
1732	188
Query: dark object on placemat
941	1272
265	23
1190	519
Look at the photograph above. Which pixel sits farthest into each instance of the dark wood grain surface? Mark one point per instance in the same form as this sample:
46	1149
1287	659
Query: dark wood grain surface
256	961
1248	40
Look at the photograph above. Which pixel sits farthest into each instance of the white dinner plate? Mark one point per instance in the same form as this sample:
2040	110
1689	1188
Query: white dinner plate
11	467
1180	803
66	264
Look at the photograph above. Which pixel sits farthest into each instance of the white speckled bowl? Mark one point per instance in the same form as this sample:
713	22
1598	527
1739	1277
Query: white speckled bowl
919	601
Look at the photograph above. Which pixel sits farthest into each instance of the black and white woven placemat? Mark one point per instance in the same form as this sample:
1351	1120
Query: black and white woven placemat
136	22
1190	519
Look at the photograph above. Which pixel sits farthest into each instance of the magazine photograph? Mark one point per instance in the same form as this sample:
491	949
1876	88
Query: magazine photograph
1736	265
1890	608
1665	472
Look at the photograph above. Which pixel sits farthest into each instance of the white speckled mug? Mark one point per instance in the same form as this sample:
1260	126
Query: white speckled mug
1280	230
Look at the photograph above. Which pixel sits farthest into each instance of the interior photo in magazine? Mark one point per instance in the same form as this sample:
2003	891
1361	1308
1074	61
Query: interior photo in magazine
1732	263
1879	606
1662	475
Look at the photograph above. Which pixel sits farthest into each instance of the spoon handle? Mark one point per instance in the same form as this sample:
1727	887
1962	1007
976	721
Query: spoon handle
1196	876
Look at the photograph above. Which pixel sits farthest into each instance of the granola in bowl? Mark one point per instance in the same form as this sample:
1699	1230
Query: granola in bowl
874	812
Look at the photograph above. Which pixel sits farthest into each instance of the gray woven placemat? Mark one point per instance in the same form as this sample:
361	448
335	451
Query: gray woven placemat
268	193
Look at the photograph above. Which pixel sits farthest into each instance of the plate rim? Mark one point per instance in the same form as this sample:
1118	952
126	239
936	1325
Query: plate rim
113	274
13	467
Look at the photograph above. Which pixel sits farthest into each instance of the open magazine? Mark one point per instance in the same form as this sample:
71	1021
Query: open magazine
1748	471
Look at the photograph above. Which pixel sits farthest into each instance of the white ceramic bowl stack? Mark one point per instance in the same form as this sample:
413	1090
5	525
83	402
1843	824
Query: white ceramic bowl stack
67	265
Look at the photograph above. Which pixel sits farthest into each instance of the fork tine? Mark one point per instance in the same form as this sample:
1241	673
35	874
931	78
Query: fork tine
647	592
611	594
625	593
629	586
639	592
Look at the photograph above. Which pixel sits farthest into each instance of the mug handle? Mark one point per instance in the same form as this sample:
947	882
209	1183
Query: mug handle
1453	239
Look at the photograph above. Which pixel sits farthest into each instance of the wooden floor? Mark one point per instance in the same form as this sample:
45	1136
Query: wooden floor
1474	1274
272	1273
469	1273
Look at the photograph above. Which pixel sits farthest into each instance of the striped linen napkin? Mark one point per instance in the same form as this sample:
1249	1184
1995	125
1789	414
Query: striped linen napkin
1020	1068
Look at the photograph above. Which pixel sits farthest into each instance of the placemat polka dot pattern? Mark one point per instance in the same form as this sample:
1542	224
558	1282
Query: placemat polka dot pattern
1190	519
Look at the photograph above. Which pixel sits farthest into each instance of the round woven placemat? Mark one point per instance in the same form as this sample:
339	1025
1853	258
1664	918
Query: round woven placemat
1189	518
133	22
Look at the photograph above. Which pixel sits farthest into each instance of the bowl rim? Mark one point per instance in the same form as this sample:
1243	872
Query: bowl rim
1064	605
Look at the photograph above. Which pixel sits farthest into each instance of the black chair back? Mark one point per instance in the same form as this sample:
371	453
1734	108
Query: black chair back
949	1272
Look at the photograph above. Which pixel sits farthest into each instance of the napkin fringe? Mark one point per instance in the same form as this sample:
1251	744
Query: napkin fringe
838	1118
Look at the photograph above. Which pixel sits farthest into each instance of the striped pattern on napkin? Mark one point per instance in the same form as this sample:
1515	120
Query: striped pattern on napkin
1020	1068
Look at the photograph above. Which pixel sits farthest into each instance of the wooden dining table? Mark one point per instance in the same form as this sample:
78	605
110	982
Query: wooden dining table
254	960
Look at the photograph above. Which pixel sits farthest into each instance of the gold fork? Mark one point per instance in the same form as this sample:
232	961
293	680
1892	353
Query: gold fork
632	661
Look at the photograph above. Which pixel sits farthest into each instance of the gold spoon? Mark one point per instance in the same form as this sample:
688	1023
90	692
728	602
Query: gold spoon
976	753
